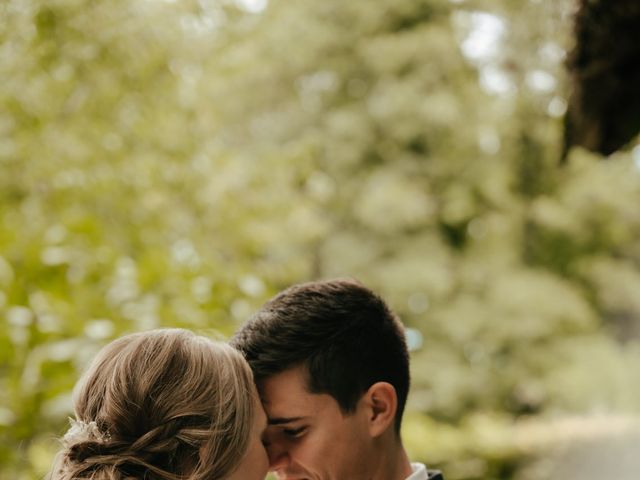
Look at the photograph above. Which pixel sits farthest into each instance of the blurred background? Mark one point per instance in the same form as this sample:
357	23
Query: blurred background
177	162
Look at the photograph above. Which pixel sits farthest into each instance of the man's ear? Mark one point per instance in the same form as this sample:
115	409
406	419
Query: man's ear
382	403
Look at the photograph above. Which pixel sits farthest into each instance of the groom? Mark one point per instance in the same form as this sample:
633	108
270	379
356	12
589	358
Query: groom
332	367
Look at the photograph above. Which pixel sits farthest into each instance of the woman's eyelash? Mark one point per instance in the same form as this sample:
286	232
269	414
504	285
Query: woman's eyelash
292	432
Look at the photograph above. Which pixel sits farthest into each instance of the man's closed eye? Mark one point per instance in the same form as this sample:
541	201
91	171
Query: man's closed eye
294	432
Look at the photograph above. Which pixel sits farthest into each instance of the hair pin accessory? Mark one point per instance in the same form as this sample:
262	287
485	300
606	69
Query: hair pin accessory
80	432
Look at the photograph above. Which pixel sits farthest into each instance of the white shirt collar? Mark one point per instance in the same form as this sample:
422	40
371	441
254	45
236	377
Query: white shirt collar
419	472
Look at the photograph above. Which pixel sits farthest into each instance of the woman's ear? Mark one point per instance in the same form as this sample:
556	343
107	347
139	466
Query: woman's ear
382	403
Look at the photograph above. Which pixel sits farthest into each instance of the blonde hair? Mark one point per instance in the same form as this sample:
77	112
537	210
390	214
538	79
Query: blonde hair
163	405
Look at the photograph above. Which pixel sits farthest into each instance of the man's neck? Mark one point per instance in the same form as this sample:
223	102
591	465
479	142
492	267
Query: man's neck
393	464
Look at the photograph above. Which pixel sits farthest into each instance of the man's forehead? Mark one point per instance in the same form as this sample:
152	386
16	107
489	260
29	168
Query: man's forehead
292	380
286	383
286	394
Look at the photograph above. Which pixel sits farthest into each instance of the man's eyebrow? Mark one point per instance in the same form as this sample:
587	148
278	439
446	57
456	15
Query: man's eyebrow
283	420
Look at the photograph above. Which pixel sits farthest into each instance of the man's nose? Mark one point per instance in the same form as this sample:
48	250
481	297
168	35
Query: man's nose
278	456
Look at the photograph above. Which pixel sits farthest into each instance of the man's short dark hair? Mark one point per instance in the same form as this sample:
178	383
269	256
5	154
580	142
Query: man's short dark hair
343	333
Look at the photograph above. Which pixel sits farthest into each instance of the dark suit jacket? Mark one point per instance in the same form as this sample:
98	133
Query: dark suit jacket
435	475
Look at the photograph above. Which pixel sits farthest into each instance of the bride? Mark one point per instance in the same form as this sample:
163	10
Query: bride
165	405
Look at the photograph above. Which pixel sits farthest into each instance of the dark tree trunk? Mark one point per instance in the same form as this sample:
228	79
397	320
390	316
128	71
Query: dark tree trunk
604	67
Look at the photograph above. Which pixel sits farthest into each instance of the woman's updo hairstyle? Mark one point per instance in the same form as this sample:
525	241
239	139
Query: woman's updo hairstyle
160	405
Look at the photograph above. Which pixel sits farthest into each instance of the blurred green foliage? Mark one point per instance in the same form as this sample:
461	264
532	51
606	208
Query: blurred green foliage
175	163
